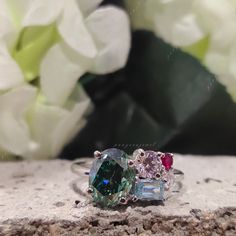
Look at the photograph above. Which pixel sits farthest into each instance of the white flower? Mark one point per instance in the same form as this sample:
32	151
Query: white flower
45	47
204	28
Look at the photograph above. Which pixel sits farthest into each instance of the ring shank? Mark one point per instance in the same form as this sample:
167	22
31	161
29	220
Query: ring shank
179	175
81	168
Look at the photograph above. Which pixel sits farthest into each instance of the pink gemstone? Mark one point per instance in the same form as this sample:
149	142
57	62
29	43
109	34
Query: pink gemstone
167	160
150	166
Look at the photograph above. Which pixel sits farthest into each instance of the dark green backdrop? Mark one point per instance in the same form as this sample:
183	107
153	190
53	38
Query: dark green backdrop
163	99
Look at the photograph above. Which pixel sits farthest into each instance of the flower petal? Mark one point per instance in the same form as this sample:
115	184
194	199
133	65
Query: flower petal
14	133
72	29
229	82
43	12
44	120
217	62
71	124
17	10
52	126
212	13
141	13
10	73
60	71
6	26
88	6
180	32
224	37
231	64
113	47
173	20
34	43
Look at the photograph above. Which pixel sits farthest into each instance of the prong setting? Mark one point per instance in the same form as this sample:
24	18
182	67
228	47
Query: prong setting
160	154
158	175
140	156
89	190
137	178
141	152
123	201
131	163
97	154
135	199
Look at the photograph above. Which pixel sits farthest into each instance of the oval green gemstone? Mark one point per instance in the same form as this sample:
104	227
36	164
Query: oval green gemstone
111	178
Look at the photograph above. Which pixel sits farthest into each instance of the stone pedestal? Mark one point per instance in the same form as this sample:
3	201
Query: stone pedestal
38	198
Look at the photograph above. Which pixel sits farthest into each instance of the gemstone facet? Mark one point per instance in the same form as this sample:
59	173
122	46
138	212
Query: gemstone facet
110	178
149	189
148	166
167	160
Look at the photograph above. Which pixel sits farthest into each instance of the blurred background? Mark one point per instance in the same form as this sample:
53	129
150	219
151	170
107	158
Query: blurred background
164	99
78	76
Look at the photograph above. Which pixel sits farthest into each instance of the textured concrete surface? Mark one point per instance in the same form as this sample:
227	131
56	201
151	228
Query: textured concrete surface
38	198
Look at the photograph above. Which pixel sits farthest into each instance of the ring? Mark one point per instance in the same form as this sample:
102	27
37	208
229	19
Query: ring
117	178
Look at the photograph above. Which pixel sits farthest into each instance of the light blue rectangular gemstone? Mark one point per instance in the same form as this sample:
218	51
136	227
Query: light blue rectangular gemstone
148	189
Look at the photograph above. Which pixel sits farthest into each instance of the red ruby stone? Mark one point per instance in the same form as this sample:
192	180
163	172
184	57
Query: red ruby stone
167	160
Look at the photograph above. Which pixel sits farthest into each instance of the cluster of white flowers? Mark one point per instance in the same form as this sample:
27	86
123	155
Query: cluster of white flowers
204	28
45	47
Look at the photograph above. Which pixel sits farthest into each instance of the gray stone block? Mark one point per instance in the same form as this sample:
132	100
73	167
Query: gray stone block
38	198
